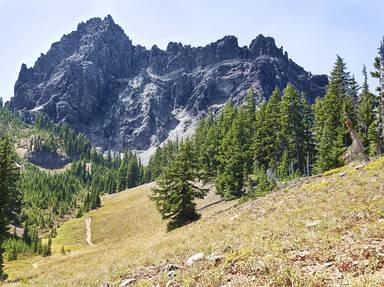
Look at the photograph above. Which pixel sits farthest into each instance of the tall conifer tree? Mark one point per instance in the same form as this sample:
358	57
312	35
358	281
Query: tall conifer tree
178	188
9	194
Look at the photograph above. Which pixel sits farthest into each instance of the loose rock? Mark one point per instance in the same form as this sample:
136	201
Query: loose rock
197	257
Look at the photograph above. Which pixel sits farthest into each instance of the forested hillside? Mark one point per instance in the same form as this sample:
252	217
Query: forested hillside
38	201
248	150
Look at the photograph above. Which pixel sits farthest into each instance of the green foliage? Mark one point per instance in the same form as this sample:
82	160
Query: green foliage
263	183
330	113
30	243
276	136
9	192
162	157
122	174
266	139
245	149
374	147
232	158
47	197
59	135
292	140
177	188
10	125
366	115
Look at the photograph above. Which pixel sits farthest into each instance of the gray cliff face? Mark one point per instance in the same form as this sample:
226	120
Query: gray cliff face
125	96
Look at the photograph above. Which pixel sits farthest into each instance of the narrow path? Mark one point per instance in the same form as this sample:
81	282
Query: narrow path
88	222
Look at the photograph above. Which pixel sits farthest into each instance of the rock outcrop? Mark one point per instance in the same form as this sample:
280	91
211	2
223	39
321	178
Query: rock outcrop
125	96
47	159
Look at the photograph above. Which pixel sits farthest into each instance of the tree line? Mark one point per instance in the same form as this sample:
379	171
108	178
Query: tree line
245	150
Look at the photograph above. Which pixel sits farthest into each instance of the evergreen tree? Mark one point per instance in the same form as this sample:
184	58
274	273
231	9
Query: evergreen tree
133	172
292	133
266	138
373	140
331	112
122	173
9	194
309	141
178	188
207	143
230	177
248	126
366	108
379	110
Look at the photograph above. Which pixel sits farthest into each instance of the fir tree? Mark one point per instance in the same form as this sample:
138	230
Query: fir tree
230	177
133	172
373	140
266	138
178	188
292	133
9	194
122	174
331	112
366	108
308	136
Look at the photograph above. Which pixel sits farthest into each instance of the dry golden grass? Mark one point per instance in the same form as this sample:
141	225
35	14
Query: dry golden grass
325	231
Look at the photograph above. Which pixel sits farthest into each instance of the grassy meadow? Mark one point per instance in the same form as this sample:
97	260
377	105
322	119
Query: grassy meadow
321	231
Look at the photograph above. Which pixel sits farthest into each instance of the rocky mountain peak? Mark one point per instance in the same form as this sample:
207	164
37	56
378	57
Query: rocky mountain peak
125	96
264	46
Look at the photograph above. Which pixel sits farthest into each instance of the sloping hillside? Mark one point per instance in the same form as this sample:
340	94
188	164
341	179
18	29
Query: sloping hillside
323	231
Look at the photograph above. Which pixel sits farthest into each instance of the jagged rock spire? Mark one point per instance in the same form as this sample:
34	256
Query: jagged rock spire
124	96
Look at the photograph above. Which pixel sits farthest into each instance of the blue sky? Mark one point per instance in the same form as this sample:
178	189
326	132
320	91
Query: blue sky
312	32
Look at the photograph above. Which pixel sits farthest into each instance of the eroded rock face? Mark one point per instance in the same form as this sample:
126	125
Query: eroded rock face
45	159
125	96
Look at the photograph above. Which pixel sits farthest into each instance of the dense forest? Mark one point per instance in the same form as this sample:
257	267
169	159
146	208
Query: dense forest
247	150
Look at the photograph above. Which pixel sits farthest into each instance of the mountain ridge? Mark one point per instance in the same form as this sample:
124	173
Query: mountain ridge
126	96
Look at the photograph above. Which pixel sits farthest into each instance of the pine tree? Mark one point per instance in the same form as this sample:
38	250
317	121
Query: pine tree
309	140
266	138
331	112
9	194
292	133
366	108
122	173
373	140
207	142
133	172
377	148
178	188
248	126
230	177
